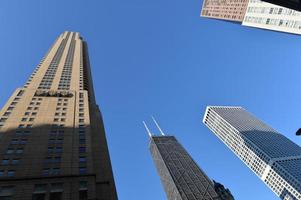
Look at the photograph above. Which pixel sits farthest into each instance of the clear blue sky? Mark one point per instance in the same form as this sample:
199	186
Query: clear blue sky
158	57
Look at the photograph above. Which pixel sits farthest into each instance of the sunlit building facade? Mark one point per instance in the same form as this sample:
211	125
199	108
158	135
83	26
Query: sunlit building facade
265	15
233	10
52	140
270	155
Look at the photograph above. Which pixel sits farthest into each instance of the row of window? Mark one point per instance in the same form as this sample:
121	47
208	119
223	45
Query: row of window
53	191
51	71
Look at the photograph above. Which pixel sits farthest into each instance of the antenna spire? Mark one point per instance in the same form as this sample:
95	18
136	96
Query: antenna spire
148	131
162	133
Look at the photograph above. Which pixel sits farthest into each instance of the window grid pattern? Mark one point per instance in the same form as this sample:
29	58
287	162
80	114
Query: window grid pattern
279	168
265	15
181	176
65	80
51	71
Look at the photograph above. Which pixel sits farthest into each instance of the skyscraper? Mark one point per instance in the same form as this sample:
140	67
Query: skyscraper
254	13
181	177
265	15
270	155
52	139
231	10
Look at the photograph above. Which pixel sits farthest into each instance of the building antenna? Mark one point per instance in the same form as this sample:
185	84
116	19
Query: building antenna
148	131
158	126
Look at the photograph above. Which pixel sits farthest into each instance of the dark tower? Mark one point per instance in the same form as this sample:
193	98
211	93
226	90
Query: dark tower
181	177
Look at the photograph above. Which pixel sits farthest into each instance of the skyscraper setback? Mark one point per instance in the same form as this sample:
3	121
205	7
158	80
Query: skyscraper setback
180	175
270	155
52	139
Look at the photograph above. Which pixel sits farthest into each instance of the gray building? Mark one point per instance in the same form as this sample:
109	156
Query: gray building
275	159
52	138
180	175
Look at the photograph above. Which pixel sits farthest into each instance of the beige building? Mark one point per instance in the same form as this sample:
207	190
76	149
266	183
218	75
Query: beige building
233	10
52	139
264	15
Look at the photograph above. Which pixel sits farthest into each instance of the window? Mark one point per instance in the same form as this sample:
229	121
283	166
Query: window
15	161
14	141
82	170
1	173
82	141
56	171
11	173
6	114
45	172
59	150
26	113
10	108
50	149
9	151
5	162
82	149
6	192
39	192
82	159
19	151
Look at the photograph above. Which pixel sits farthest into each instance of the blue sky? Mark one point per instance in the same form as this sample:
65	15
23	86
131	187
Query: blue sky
155	57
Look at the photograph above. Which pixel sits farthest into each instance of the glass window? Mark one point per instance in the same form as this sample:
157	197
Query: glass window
15	161
9	151
82	170
45	172
19	150
82	159
11	173
56	171
5	162
6	192
1	173
82	149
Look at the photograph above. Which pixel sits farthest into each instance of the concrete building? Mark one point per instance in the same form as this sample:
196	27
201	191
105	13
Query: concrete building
180	175
52	139
233	10
272	157
264	15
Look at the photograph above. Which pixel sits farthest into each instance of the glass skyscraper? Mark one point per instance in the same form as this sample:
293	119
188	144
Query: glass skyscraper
270	155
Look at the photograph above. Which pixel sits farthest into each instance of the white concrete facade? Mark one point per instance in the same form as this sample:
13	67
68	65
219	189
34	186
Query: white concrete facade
264	15
271	156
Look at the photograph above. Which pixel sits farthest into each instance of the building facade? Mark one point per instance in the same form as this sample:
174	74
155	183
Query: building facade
270	155
265	15
223	192
52	139
233	10
181	177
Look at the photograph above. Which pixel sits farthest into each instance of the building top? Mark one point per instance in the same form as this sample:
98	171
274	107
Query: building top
260	134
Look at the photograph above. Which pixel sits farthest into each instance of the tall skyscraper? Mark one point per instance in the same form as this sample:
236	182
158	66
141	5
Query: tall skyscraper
254	13
52	139
270	155
181	177
231	10
265	15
